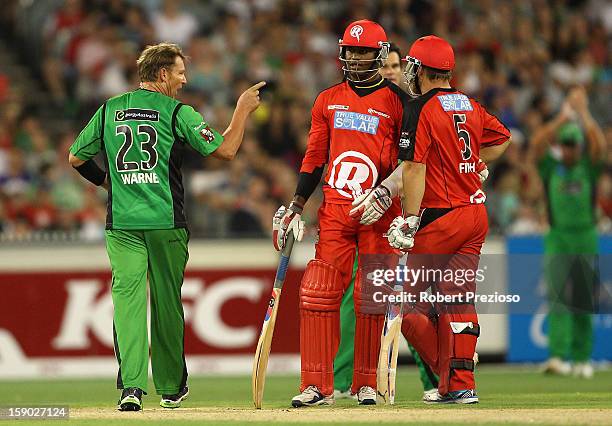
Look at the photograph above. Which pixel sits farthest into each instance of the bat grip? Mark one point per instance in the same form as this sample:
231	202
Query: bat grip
283	264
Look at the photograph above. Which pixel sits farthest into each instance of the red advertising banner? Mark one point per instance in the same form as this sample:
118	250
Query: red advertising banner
69	314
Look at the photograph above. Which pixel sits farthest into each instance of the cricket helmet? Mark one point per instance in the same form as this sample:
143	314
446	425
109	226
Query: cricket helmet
367	34
430	51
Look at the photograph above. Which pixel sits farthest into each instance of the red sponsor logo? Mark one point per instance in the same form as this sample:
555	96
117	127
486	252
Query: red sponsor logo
70	314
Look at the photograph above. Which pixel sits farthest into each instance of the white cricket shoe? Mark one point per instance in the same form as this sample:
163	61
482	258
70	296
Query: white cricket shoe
366	396
431	395
338	394
583	370
467	396
311	396
556	366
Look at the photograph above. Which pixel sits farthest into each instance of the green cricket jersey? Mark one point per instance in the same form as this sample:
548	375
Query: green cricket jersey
143	135
570	191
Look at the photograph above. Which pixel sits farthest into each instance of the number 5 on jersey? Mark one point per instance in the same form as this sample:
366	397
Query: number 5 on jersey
464	136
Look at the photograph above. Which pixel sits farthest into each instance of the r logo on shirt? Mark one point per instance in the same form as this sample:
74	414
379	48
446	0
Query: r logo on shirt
352	173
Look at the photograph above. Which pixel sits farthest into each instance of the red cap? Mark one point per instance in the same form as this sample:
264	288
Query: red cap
433	52
364	33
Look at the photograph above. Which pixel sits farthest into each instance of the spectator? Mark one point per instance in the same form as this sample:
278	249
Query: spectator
172	25
518	59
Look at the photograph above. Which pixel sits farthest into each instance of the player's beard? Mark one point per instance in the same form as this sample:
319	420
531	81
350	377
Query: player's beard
356	75
364	76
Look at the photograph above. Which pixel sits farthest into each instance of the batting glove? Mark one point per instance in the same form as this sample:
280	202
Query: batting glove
401	232
482	170
369	207
287	220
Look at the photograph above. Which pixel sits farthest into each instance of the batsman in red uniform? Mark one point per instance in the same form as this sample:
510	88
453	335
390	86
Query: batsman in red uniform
355	129
445	220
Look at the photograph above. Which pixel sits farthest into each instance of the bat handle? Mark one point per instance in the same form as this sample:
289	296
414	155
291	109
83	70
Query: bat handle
283	264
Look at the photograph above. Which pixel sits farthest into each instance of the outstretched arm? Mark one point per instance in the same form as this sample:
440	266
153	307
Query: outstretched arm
233	135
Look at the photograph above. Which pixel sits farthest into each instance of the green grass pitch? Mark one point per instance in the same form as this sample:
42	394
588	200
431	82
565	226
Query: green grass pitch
502	391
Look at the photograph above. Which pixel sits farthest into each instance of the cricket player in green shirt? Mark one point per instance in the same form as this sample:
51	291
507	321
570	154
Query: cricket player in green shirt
143	135
569	172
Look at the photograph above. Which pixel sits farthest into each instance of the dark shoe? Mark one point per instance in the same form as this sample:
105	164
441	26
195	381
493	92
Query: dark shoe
174	401
131	400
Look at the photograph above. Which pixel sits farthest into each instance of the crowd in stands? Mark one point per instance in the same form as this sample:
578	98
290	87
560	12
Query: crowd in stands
518	58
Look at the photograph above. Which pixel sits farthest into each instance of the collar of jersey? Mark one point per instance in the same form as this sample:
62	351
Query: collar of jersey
442	89
362	91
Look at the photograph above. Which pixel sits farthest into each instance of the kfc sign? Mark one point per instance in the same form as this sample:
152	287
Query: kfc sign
71	314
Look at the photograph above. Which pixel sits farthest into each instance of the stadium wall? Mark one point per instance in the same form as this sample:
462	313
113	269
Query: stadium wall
57	310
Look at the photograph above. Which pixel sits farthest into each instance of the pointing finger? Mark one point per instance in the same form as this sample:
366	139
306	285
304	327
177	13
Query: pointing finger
258	85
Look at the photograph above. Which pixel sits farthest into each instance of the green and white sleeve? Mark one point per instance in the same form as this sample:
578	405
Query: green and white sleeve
190	126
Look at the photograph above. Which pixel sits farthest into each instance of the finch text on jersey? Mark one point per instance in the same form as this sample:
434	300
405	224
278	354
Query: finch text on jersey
467	167
132	178
355	121
455	102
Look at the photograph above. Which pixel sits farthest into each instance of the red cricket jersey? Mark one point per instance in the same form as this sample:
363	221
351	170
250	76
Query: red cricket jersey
446	129
355	130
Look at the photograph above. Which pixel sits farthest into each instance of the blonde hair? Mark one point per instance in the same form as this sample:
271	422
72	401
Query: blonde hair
156	57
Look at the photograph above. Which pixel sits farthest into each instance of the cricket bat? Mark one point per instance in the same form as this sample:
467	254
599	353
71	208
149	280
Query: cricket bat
260	363
389	344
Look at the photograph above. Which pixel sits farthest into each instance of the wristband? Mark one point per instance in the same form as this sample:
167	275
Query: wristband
296	207
90	171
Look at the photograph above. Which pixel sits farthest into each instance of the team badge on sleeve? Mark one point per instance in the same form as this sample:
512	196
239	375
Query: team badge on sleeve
206	132
404	141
